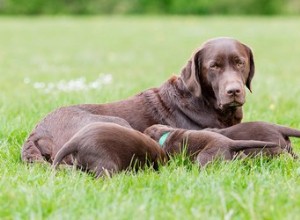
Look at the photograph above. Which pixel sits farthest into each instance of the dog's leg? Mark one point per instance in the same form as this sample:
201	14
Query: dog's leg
37	149
46	147
31	153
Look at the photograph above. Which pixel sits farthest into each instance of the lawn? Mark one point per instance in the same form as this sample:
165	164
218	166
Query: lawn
47	62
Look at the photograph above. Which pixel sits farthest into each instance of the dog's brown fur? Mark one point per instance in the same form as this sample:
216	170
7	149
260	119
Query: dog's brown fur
262	131
203	146
100	147
208	93
51	135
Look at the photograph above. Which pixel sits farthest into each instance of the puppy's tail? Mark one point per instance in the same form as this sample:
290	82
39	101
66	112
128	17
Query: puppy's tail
68	148
290	132
239	145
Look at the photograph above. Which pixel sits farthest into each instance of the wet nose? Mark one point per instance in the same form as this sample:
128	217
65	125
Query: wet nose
233	90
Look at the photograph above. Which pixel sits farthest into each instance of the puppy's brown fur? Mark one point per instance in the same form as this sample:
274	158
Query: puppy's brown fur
203	146
101	147
262	131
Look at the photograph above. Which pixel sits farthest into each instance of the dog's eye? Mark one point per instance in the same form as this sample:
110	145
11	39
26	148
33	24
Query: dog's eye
239	62
214	66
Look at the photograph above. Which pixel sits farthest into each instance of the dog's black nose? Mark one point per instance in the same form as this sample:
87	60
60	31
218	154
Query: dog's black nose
233	90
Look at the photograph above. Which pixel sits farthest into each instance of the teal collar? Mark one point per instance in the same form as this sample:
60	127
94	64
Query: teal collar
163	138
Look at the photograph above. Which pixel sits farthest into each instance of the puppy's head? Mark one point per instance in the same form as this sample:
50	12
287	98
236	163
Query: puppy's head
156	131
219	70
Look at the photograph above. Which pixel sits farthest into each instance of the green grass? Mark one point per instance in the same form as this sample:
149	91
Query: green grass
142	52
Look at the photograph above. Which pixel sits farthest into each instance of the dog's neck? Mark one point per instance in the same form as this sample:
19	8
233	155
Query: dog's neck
172	104
202	111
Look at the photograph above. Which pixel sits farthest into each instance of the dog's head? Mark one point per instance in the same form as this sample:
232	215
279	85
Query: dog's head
219	71
156	131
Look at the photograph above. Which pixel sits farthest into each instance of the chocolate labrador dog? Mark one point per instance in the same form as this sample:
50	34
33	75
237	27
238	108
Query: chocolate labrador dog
209	92
262	131
203	146
107	148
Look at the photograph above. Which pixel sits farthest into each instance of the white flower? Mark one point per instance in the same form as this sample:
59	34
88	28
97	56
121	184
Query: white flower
39	85
78	84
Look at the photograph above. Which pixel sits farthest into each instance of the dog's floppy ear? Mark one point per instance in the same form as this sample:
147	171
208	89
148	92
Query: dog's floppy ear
252	68
190	74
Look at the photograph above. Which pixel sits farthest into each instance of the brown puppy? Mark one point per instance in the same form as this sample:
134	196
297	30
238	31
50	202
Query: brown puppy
204	146
262	131
99	146
208	93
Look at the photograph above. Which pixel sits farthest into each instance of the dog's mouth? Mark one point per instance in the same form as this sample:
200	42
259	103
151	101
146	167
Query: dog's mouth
233	104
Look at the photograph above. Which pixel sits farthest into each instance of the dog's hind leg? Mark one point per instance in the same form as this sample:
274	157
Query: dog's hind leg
37	150
31	153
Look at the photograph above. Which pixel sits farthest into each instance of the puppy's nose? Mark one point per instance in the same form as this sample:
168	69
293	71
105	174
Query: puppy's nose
233	90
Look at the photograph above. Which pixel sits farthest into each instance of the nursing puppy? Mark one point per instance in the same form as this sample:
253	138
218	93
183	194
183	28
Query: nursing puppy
262	131
203	146
106	148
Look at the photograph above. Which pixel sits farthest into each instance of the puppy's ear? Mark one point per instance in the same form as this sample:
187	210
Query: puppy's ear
190	74
252	68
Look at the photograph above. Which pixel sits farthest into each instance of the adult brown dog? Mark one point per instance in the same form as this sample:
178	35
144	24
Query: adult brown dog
208	93
107	148
262	131
203	146
51	135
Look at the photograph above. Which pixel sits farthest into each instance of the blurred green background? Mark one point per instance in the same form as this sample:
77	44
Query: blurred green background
197	7
141	52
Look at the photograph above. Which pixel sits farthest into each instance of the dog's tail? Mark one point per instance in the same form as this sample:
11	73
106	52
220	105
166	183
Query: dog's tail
240	145
68	148
290	132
